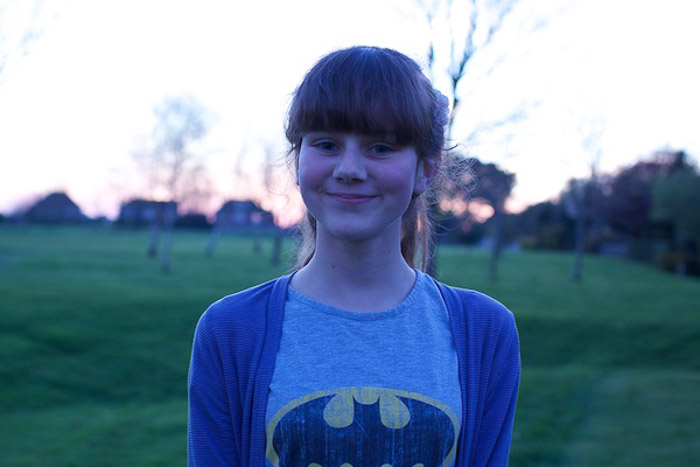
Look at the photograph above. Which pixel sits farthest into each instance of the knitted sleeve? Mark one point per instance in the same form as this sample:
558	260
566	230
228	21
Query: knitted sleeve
501	396
488	350
210	432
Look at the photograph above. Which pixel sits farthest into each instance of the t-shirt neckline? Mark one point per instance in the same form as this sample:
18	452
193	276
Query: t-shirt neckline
294	294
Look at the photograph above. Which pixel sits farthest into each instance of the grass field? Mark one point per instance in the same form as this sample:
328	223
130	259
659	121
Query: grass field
95	341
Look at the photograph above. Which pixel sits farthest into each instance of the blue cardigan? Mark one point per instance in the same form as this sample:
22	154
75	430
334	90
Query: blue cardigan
233	357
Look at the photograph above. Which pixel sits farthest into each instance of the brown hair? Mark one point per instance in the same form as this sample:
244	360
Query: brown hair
371	91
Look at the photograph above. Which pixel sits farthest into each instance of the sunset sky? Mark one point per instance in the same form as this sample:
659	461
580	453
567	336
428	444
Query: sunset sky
75	105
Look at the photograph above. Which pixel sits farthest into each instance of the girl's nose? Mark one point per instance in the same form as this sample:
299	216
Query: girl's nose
350	166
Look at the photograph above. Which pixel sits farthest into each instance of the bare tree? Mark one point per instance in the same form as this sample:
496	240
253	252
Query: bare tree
579	197
471	27
468	35
577	200
486	184
173	167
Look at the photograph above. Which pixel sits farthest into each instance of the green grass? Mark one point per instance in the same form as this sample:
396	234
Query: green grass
611	365
95	342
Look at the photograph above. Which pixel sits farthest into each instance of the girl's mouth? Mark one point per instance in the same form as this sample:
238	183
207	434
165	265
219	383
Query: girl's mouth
350	198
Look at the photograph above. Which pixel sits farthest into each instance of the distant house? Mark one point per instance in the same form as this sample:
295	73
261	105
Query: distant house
242	214
56	208
141	212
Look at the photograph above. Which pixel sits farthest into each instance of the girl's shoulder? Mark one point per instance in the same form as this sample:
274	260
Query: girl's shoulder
246	309
471	306
483	329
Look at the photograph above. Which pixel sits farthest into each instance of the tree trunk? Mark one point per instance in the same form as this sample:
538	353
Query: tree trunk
168	226
154	238
679	258
579	248
213	240
165	251
257	243
496	245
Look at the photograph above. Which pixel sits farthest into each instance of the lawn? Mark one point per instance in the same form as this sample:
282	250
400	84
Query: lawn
95	341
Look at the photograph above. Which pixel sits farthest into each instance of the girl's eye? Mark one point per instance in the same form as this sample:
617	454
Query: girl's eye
381	149
327	146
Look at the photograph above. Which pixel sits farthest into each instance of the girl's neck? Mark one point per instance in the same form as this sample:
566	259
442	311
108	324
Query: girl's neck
359	276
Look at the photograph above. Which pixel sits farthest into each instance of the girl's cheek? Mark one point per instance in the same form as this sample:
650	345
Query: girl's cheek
310	173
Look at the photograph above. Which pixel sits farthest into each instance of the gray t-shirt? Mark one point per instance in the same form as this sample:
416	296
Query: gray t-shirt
365	389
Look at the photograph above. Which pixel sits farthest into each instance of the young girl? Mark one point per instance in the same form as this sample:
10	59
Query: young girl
357	358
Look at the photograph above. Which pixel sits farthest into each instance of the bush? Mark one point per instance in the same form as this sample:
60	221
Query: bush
680	262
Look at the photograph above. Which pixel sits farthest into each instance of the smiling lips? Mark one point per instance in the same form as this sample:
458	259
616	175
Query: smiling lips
350	198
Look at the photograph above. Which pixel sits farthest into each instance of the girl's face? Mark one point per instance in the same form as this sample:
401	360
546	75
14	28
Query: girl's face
357	187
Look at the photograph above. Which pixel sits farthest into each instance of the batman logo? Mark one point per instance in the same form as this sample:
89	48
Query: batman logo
363	427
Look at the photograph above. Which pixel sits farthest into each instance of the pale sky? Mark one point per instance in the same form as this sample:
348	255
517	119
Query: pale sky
73	107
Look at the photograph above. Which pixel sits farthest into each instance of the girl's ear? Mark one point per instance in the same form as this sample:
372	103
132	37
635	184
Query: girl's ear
426	170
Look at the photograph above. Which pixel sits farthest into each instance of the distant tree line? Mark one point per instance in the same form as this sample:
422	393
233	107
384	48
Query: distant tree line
646	211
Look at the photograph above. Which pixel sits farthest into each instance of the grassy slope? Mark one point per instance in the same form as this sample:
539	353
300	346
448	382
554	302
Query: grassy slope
94	345
611	365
